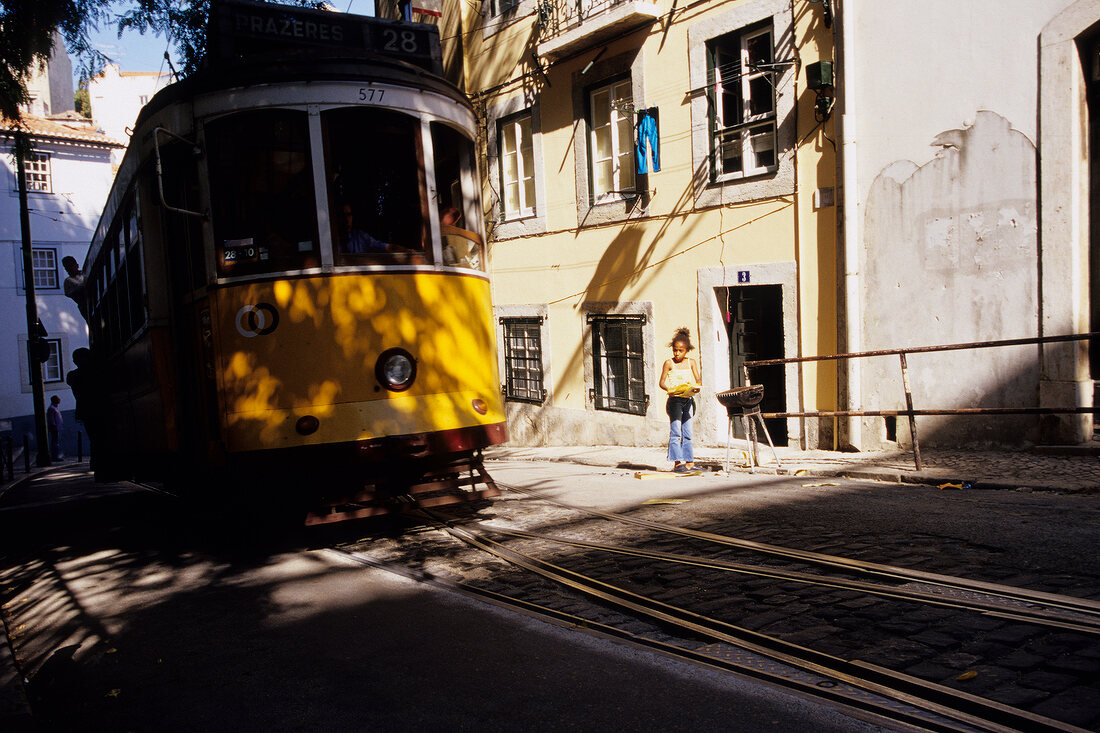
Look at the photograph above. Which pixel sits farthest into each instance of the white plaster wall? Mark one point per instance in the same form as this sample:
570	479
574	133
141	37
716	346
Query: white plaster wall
64	221
116	98
928	67
946	98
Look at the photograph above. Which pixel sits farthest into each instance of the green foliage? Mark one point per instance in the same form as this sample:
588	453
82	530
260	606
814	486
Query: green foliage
82	102
26	38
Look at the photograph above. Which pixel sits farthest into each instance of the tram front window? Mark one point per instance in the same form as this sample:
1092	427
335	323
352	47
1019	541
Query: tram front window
261	192
375	173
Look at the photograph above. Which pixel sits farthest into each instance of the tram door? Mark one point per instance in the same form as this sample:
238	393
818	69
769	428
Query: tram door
754	323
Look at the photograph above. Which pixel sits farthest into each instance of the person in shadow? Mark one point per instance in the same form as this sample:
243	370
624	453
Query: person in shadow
75	285
89	392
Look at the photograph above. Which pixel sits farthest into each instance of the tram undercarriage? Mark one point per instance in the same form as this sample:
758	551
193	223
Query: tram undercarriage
405	487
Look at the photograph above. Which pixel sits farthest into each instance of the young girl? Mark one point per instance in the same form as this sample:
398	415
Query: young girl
681	379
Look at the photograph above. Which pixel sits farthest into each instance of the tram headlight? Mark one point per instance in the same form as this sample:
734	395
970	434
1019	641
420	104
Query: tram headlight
307	425
395	369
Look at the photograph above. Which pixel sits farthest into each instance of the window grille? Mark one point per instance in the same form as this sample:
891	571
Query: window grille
618	363
523	359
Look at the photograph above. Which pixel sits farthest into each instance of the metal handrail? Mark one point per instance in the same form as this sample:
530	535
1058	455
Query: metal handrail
909	410
558	16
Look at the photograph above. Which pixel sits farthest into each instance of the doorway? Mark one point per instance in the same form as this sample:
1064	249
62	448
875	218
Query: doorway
754	325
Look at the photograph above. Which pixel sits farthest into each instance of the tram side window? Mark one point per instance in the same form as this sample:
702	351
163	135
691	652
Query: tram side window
261	192
106	313
375	172
182	234
136	274
95	287
122	291
455	177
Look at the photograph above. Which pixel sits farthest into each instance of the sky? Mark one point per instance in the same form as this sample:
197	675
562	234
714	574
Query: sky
137	52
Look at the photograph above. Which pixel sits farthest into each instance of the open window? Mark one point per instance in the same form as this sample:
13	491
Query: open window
517	166
611	141
743	112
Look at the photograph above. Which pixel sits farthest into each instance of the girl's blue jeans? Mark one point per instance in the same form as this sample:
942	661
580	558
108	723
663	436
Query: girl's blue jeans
680	412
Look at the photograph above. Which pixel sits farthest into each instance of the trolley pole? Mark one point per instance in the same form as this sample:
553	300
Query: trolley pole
34	337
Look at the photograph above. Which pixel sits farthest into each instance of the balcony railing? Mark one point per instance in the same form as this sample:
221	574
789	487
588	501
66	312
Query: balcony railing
568	26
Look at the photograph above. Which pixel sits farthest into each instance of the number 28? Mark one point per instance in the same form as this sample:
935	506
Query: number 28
402	41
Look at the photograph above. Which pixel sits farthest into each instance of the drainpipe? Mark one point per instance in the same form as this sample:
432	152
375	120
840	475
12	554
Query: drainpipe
852	219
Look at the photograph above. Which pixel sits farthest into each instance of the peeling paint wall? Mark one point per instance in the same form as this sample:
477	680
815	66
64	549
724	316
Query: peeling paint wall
943	196
951	256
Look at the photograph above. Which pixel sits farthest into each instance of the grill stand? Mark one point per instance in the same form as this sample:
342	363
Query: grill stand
747	424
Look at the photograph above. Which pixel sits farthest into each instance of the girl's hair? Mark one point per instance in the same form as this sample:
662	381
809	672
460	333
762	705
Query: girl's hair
684	335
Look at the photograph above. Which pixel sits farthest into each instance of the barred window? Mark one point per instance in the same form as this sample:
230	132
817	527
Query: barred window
523	359
44	266
618	363
36	171
742	103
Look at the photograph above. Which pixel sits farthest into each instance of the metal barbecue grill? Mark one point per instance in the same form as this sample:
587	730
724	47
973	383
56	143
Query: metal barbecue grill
747	400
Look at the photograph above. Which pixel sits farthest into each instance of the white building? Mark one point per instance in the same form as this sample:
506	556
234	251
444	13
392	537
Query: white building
50	87
969	181
68	179
117	97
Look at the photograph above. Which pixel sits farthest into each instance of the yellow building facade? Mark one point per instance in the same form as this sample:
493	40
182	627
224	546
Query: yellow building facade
647	166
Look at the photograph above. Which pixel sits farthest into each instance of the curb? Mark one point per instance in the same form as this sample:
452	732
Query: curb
15	708
886	475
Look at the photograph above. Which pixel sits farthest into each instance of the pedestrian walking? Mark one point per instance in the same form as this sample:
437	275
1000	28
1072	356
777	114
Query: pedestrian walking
681	379
54	423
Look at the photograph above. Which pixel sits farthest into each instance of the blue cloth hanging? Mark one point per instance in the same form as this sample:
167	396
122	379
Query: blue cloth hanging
647	133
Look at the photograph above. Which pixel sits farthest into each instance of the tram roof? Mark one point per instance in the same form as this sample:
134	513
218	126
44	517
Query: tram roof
294	68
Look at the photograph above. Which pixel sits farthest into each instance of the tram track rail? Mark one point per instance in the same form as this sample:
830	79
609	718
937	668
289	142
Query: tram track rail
1090	609
841	678
732	659
864	686
991	607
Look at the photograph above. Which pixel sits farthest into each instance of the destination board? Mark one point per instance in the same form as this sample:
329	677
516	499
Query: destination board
240	29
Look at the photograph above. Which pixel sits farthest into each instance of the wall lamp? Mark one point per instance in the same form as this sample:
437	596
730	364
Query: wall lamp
819	78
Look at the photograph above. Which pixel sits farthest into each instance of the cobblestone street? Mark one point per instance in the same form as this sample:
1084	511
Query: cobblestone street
1033	540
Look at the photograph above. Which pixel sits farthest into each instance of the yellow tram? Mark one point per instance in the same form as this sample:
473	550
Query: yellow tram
287	288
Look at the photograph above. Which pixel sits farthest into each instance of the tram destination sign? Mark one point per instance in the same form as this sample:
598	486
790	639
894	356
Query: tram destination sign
241	29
